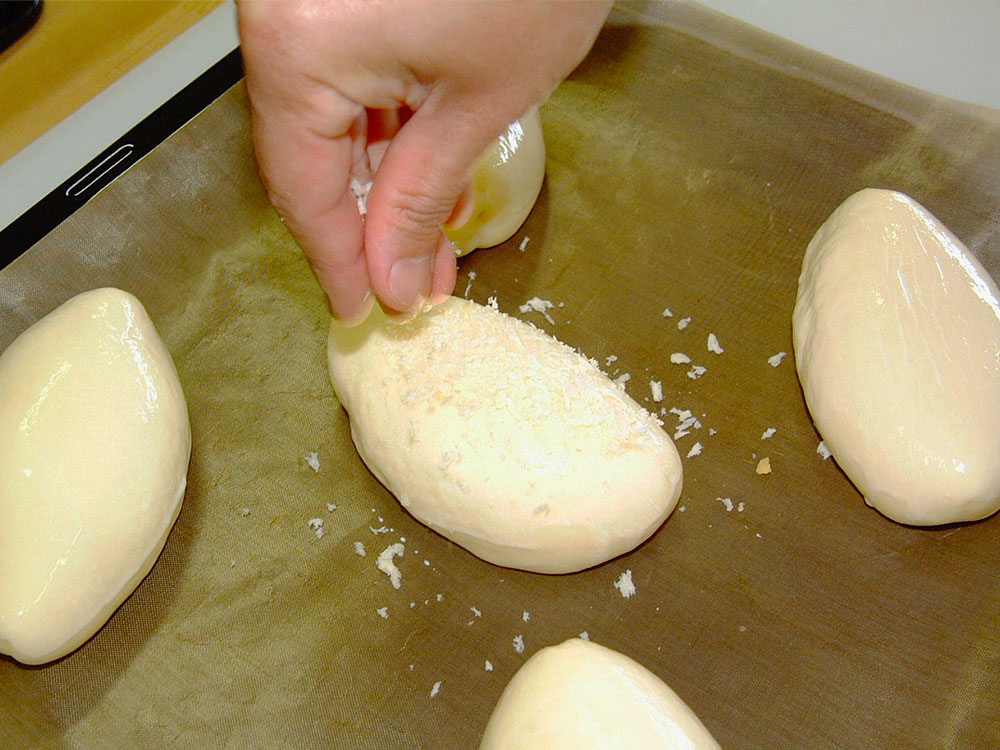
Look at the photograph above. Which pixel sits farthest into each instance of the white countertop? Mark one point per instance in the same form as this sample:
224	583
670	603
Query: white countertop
948	47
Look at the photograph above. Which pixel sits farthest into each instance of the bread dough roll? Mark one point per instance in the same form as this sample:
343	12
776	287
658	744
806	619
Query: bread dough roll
96	443
503	439
505	185
897	345
580	695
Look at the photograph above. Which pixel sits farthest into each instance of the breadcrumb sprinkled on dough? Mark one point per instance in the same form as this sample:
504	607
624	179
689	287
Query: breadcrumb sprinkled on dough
726	501
764	465
359	549
383	612
767	433
488	666
435	688
679	358
823	451
519	644
386	565
656	389
316	524
695	450
713	344
312	460
624	584
775	360
683	323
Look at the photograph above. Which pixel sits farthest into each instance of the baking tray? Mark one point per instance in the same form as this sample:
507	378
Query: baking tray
690	159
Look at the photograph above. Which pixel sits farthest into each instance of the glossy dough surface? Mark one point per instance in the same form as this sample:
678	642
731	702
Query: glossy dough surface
505	185
96	442
503	439
580	695
897	345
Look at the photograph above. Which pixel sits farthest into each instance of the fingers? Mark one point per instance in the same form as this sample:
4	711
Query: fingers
421	176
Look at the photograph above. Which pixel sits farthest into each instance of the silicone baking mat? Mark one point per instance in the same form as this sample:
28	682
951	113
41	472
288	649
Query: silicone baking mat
690	160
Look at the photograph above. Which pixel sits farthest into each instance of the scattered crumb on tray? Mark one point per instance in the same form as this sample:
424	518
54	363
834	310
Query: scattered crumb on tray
359	548
435	688
383	612
584	636
775	360
679	358
519	644
385	563
656	389
696	372
695	450
316	524
524	244
244	512
312	460
727	502
683	323
767	433
713	344
667	313
625	585
525	616
764	465
823	451
538	305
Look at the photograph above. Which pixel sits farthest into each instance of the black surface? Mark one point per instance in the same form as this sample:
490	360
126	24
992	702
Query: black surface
16	17
118	157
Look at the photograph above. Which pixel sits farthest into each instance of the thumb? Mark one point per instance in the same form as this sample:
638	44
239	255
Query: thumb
419	181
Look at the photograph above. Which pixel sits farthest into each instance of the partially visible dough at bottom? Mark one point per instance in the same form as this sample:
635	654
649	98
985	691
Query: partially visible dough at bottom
580	695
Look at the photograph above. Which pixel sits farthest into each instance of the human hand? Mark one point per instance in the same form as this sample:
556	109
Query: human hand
403	93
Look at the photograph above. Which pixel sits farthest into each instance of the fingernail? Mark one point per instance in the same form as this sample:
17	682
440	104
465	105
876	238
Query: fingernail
362	314
410	281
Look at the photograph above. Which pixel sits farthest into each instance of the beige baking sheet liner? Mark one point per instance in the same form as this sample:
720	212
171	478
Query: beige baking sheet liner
690	160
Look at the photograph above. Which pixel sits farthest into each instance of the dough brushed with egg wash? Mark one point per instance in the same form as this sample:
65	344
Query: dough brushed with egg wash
503	439
96	442
580	695
897	345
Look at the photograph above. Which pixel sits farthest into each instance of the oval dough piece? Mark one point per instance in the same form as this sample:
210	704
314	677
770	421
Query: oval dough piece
580	695
897	345
503	439
505	185
96	443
